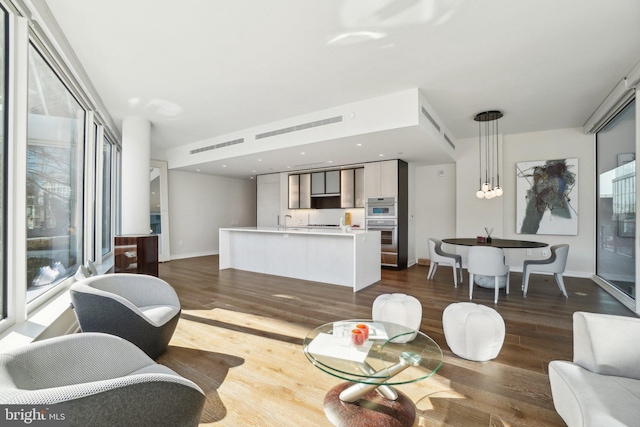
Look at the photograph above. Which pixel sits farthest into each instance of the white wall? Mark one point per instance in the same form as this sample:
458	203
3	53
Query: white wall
201	204
434	203
500	213
473	214
547	145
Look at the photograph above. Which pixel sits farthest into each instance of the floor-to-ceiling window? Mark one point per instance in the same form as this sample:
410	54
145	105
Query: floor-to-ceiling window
55	159
616	207
107	172
3	145
44	174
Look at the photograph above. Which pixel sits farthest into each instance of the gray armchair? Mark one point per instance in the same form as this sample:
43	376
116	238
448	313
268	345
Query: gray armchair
437	256
140	308
487	261
103	380
554	264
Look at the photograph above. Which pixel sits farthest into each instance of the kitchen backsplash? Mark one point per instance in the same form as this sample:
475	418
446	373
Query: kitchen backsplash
325	216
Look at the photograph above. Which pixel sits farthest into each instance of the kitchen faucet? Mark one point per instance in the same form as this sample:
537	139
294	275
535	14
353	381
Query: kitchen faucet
285	221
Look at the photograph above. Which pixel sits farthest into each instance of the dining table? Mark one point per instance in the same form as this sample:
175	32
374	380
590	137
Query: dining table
496	243
488	281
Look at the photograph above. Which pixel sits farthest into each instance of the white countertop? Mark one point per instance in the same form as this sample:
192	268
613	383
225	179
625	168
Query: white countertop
301	230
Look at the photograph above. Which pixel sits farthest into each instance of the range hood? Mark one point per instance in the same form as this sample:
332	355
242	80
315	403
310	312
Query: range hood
325	202
326	195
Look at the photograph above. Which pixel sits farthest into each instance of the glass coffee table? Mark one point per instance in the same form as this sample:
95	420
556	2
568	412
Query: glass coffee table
392	355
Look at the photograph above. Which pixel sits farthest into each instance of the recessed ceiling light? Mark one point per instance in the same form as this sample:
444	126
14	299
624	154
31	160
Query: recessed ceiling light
330	161
259	160
303	153
288	167
381	155
359	145
253	171
197	170
250	177
224	166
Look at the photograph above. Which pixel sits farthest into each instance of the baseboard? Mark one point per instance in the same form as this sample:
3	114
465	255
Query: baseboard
194	254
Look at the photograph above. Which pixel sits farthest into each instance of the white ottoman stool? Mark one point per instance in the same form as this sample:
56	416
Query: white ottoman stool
400	309
473	331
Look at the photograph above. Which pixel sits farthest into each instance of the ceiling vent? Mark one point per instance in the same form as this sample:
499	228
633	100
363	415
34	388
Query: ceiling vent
303	126
449	141
309	165
428	116
216	146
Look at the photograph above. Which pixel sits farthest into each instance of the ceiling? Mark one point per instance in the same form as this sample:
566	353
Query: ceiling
197	69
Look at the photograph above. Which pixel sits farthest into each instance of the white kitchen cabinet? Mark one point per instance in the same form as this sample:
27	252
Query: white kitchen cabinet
381	179
347	188
389	178
325	183
332	182
352	188
305	191
294	191
317	183
268	200
359	188
300	191
372	179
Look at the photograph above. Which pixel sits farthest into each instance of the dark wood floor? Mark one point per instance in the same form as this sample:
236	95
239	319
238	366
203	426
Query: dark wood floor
240	336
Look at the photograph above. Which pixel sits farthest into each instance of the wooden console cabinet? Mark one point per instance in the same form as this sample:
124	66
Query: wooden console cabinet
136	254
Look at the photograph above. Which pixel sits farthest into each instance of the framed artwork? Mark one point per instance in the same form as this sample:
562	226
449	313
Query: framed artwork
547	197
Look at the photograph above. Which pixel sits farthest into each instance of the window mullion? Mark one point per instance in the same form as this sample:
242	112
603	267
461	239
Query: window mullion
17	168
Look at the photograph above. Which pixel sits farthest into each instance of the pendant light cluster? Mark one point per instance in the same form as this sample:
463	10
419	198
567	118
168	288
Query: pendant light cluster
489	154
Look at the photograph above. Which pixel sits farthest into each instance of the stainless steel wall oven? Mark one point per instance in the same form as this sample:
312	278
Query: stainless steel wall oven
381	214
390	215
388	239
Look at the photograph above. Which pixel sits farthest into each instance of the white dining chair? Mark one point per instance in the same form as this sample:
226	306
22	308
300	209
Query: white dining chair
487	261
438	256
555	264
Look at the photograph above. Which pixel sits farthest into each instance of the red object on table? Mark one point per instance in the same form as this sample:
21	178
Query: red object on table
357	337
365	329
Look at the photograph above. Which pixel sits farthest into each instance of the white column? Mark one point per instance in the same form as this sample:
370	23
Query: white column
136	162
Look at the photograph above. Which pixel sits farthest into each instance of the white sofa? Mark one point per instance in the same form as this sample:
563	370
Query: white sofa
601	387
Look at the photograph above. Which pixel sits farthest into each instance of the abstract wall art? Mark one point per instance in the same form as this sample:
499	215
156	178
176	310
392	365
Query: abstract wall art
547	197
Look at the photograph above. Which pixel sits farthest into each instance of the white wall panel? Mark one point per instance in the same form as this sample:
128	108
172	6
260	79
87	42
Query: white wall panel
201	204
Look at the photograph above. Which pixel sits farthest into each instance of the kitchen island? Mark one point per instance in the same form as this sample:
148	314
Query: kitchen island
346	258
